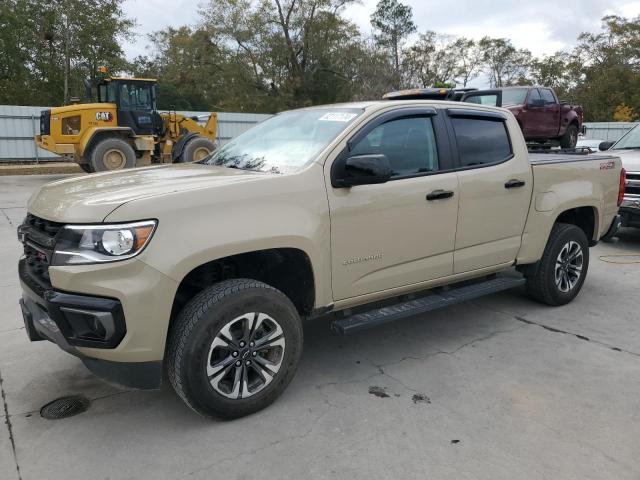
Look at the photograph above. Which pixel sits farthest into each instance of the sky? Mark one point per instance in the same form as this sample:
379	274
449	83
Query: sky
541	26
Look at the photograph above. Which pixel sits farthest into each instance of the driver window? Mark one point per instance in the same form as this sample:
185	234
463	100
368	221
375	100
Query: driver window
408	143
533	95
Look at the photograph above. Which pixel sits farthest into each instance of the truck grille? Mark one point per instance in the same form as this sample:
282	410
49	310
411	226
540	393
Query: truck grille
39	237
633	185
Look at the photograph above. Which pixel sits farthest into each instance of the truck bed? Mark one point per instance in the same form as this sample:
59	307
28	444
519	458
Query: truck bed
548	158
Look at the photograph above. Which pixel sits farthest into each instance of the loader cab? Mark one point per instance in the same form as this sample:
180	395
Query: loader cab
135	100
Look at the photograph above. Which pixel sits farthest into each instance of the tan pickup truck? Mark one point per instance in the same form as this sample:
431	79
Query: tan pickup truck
355	212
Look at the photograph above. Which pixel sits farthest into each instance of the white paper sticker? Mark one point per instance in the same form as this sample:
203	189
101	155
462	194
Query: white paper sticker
338	117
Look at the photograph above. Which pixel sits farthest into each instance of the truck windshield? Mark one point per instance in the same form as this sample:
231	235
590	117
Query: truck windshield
630	140
285	142
514	96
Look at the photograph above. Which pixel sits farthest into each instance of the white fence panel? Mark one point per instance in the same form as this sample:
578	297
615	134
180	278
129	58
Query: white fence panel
19	124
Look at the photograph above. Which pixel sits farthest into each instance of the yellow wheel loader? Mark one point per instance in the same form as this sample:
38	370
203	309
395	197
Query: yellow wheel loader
124	129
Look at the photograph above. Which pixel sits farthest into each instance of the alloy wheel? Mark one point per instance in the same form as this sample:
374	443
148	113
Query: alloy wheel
245	355
568	268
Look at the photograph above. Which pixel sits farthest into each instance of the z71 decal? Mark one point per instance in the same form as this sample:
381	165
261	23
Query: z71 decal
607	165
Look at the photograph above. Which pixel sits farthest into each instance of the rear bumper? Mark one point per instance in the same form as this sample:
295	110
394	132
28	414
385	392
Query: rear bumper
630	212
58	317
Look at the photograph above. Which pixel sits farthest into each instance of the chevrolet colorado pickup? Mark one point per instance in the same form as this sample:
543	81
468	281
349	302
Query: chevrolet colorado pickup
357	212
541	116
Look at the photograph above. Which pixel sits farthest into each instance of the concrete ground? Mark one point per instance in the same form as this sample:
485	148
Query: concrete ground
500	388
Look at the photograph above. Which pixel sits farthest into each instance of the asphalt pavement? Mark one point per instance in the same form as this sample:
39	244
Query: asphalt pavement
498	388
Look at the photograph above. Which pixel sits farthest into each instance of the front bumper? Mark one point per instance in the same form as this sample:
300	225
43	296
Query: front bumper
60	318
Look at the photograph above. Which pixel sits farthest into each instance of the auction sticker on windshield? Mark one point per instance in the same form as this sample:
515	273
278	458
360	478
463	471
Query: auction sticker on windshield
338	117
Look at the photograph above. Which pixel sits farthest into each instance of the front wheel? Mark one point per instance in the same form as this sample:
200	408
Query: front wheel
234	348
562	268
112	154
196	149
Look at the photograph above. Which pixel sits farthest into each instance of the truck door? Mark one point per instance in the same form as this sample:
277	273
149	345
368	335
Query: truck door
401	232
550	114
495	185
532	116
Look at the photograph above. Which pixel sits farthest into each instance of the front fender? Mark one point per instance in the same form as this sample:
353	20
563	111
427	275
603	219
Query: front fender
205	224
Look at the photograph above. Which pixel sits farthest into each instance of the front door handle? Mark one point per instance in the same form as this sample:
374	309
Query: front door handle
514	183
439	194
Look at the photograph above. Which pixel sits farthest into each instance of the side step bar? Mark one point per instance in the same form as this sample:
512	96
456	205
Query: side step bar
432	301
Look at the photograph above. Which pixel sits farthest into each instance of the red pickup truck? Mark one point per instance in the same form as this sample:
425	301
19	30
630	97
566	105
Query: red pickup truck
541	116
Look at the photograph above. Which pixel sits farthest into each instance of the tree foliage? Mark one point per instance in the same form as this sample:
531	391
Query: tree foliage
47	48
393	22
270	55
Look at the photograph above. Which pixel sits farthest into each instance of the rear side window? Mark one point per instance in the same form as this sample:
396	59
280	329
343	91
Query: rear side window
408	143
489	99
481	141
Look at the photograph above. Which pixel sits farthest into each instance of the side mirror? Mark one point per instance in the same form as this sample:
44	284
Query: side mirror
605	146
361	170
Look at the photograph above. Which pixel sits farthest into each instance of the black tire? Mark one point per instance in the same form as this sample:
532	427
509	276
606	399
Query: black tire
191	339
196	149
570	137
85	167
112	154
542	284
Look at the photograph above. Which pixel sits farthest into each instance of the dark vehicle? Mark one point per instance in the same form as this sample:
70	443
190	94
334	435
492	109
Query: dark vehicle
541	116
453	94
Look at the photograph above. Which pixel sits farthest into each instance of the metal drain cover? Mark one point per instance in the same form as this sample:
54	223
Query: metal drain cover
65	407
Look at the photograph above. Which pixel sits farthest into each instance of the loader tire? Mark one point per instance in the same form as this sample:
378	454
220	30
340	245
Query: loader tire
196	149
112	154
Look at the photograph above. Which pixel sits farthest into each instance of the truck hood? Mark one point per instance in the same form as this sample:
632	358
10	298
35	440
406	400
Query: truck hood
630	159
89	199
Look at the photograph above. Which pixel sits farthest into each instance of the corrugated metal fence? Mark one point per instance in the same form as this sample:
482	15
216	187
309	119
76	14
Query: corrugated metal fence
19	124
607	131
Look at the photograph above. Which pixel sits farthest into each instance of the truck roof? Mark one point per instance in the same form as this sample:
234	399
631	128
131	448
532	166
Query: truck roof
380	104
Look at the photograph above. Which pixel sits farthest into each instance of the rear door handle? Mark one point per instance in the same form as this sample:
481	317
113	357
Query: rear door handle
514	183
439	194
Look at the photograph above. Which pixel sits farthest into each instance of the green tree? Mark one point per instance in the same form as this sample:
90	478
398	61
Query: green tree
393	22
286	53
49	47
431	61
609	68
470	57
504	64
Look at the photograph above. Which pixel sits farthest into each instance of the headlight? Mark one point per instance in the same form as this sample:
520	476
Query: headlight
82	244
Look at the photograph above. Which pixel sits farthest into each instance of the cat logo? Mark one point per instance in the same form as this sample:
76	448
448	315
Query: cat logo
104	116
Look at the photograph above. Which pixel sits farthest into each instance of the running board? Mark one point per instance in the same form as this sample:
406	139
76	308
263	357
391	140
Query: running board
432	301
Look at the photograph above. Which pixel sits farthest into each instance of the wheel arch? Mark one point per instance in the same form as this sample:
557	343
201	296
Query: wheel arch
586	218
288	269
95	136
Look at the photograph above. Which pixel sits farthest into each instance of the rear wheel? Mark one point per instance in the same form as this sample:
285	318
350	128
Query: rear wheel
563	266
197	149
234	348
112	154
570	137
86	167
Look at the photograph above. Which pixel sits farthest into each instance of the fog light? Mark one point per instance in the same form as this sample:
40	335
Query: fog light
88	324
